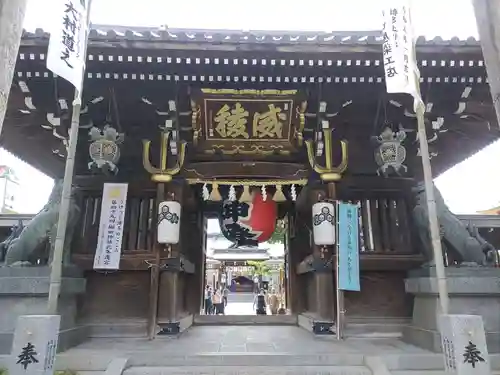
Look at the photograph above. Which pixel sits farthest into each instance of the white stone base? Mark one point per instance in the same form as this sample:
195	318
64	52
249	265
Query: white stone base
35	344
464	344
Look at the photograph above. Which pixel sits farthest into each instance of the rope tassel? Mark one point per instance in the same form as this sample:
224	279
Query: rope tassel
279	196
214	194
245	196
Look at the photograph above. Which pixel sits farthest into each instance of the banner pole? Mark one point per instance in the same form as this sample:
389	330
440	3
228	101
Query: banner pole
419	107
431	208
337	264
402	49
57	259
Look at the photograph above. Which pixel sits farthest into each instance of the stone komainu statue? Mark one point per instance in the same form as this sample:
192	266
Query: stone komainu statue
42	228
14	233
462	244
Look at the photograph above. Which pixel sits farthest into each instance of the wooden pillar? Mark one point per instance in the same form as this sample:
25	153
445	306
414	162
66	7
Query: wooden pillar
324	277
170	286
296	288
169	293
194	246
203	263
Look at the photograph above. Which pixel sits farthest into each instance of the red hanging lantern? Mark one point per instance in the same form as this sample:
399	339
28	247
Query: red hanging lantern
248	223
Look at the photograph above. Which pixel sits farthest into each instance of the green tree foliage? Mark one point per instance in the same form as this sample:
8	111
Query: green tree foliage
278	235
260	268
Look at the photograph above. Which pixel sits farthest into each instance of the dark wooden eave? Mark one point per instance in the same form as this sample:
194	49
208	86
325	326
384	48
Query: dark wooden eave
162	64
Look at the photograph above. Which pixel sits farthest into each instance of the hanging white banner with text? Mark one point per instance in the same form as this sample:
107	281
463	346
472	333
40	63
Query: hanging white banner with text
109	241
68	38
401	71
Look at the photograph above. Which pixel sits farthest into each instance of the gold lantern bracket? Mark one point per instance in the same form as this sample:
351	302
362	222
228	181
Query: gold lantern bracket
163	174
328	173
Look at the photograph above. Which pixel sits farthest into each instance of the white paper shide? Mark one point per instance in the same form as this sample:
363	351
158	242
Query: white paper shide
68	37
169	221
401	71
109	241
323	218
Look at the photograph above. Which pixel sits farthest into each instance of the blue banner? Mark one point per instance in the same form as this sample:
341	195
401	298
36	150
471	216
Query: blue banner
348	267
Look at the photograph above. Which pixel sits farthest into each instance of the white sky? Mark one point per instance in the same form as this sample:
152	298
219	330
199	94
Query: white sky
446	18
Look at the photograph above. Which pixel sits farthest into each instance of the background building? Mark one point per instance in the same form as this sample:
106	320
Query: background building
9	186
224	263
492	211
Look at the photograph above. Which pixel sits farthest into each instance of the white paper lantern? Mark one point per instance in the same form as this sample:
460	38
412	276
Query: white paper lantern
323	218
169	221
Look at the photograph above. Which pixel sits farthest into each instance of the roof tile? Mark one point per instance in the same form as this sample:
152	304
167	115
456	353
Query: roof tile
246	36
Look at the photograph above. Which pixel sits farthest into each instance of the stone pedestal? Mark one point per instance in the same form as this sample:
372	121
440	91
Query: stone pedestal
474	291
25	290
35	344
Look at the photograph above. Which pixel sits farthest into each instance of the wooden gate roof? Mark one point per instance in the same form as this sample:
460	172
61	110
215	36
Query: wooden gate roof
145	68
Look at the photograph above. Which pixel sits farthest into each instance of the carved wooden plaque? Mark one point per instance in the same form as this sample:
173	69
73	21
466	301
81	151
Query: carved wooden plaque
247	122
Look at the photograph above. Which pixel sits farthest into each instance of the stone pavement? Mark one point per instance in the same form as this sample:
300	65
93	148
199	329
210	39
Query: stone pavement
245	339
240	304
259	350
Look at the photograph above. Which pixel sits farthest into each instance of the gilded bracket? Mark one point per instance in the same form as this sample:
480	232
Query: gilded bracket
301	114
195	115
162	174
253	150
328	172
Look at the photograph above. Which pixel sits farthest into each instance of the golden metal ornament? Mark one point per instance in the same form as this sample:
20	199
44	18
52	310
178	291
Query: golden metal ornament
328	173
301	113
248	92
162	174
195	115
246	196
279	196
214	194
300	182
253	150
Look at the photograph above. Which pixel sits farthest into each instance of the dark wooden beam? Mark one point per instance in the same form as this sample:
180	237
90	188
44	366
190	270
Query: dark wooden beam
137	184
245	170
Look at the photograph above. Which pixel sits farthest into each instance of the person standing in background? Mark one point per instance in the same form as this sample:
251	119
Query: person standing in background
218	302
273	302
225	294
259	303
208	300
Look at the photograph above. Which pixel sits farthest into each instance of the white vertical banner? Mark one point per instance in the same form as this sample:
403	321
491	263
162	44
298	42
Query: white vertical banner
109	241
68	37
400	64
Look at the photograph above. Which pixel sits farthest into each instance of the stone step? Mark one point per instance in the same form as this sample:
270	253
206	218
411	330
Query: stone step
245	320
90	372
415	363
428	372
83	360
159	359
249	370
